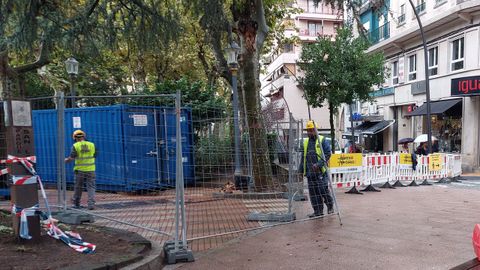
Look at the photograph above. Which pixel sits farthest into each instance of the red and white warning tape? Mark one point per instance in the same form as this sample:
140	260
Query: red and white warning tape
5	171
24	180
13	159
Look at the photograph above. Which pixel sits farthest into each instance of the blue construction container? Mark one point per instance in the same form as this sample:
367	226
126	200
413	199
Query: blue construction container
136	145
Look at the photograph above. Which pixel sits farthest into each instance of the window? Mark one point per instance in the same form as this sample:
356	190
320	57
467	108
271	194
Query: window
433	61
395	72
287	47
401	18
412	67
439	2
457	54
315	28
312	7
420	6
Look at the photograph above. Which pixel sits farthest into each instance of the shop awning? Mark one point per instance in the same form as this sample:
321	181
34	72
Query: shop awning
378	127
358	130
436	107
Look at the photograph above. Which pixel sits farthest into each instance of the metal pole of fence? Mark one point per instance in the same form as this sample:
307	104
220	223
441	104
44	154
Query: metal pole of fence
238	166
329	180
61	179
290	163
181	178
174	252
177	180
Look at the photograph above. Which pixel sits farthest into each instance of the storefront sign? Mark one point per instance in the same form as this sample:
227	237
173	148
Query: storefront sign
401	68
405	161
436	162
383	92
346	163
419	87
466	86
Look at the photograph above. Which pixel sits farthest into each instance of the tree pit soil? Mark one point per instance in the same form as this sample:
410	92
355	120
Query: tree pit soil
114	248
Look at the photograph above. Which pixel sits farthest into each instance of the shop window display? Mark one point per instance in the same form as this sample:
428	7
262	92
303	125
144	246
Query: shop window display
448	130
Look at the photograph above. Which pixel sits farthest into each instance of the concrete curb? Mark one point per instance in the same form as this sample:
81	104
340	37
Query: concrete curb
153	261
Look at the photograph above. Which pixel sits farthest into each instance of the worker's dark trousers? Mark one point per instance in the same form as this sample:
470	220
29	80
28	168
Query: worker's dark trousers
81	178
318	190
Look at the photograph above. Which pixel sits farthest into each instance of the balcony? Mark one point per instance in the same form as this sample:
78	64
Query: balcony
305	32
379	34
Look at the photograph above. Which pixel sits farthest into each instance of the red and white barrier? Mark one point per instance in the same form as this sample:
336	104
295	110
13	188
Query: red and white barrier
381	168
342	180
378	168
457	165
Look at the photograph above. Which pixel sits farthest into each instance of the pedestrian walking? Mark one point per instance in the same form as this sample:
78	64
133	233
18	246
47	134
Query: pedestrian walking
314	167
84	154
422	149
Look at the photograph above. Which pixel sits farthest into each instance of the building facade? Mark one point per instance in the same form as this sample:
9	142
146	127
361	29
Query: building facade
452	30
281	84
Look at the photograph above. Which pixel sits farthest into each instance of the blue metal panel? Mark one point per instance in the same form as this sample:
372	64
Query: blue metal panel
104	127
125	137
168	145
45	140
140	149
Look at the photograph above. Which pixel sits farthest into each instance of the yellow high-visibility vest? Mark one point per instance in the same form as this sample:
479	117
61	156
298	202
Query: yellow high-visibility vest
85	160
318	149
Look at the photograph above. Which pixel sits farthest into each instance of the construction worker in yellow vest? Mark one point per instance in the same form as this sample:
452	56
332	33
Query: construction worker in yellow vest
84	154
314	167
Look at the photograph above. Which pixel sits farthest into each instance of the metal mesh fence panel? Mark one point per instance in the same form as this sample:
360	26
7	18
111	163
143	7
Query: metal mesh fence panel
136	172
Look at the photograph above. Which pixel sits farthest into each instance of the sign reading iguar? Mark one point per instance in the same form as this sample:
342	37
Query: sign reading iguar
465	86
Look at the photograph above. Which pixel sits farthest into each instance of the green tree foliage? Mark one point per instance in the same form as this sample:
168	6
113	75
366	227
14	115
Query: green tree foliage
340	71
207	106
101	34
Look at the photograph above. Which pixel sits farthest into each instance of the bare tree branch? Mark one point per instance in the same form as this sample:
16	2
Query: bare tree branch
43	59
262	31
92	8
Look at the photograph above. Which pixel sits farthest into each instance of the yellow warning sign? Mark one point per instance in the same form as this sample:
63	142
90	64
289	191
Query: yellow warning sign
346	163
436	162
405	161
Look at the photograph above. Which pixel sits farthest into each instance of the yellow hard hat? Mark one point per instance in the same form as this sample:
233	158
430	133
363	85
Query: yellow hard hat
311	125
78	134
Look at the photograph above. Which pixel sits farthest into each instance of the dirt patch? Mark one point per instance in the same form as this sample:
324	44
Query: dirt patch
115	248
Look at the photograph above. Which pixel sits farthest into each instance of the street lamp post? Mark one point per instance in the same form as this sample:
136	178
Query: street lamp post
72	69
232	53
427	78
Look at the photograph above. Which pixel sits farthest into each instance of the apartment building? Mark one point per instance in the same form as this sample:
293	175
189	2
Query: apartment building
281	83
452	29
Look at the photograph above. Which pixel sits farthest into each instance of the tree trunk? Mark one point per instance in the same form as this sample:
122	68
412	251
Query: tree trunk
331	110
262	170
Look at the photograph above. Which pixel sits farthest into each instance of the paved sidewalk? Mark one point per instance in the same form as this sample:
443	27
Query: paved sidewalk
428	227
